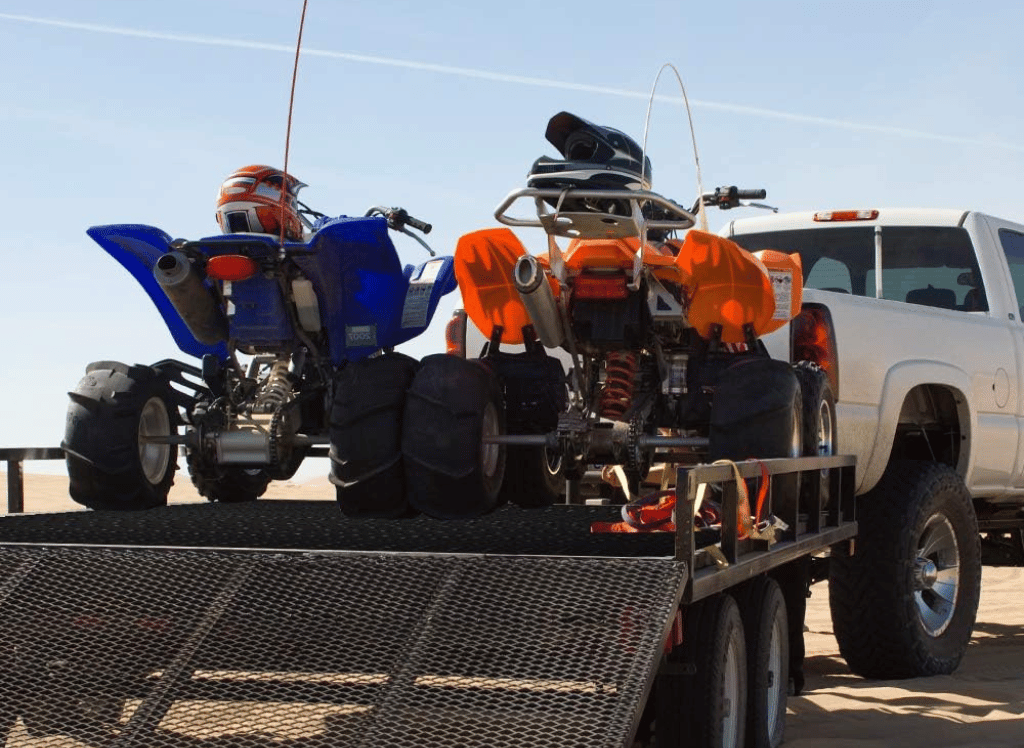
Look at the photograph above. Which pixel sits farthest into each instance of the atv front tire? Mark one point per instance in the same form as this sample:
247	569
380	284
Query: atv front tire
451	472
111	464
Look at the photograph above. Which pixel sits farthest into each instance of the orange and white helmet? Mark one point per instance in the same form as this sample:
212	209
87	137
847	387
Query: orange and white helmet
250	202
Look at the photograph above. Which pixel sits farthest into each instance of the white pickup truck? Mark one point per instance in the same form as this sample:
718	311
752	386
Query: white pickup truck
917	315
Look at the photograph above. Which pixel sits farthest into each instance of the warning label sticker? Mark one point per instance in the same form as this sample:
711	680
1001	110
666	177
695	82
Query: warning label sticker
417	298
782	287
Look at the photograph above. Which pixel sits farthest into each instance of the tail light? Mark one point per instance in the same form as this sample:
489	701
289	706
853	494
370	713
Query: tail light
231	267
846	215
812	339
600	287
455	334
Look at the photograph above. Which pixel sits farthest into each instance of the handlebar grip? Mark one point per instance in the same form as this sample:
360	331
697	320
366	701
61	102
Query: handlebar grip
751	194
418	224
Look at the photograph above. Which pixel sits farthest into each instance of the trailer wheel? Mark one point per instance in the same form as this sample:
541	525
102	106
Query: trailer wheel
704	701
366	435
819	431
113	411
533	477
227	485
763	609
905	603
453	405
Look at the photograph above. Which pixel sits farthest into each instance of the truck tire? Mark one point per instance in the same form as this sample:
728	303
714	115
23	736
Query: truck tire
227	485
452	406
366	435
704	702
533	477
818	428
113	408
763	609
905	603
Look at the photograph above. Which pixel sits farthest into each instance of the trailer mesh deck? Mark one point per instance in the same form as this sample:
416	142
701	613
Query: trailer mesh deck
420	633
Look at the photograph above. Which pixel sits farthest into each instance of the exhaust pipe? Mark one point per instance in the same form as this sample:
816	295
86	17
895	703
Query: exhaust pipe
191	299
532	284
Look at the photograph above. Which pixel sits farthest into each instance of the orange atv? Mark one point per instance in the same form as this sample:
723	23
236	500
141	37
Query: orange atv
661	336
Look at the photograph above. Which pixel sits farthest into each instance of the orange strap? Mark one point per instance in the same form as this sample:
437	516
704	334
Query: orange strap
650	513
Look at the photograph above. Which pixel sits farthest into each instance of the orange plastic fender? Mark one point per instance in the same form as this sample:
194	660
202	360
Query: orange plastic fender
787	274
731	287
483	269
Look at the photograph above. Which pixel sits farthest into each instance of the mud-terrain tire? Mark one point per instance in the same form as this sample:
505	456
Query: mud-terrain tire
818	420
533	477
452	405
227	485
702	698
763	609
905	603
366	435
109	467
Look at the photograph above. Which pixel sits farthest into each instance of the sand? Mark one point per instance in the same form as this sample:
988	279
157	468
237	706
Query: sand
982	704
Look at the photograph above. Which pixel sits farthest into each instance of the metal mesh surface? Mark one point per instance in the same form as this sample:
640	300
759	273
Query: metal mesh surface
223	649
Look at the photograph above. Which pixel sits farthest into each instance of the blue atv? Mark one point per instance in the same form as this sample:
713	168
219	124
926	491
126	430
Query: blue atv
294	346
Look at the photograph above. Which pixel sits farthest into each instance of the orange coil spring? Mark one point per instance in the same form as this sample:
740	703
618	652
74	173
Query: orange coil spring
617	393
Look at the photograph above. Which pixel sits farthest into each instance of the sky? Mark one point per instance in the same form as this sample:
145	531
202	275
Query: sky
128	111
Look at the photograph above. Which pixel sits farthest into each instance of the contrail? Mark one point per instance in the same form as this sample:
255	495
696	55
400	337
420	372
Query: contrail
215	41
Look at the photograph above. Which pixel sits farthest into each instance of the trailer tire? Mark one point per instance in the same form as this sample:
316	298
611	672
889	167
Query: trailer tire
227	485
109	467
366	435
765	621
818	424
450	473
704	702
905	604
533	477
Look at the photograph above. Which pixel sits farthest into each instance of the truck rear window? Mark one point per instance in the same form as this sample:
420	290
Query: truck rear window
928	265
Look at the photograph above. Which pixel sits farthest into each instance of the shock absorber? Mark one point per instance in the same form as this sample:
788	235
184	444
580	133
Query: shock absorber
276	389
619	384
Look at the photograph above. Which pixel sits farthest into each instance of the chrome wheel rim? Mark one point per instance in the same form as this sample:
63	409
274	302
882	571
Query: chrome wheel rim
154	457
775	685
731	696
936	575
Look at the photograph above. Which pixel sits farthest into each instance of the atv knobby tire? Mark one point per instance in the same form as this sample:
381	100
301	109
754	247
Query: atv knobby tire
819	432
227	485
366	435
452	405
904	604
112	409
533	477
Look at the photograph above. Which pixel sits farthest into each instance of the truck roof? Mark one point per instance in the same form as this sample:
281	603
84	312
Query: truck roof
886	217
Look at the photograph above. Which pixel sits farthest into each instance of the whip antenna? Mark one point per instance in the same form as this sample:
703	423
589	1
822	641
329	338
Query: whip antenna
693	137
285	191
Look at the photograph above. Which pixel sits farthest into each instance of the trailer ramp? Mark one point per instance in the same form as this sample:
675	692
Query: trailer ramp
205	647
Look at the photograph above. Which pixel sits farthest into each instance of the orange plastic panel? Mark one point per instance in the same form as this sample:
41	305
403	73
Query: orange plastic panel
730	286
786	272
618	253
483	269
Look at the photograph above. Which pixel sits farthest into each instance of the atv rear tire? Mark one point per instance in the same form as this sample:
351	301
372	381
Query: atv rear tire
533	477
366	435
110	464
228	485
905	604
453	405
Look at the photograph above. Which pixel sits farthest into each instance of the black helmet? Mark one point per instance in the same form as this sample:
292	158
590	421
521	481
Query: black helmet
594	157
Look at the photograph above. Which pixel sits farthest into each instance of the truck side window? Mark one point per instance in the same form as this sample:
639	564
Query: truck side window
1013	248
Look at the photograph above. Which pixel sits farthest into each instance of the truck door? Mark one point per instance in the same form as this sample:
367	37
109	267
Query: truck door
1009	238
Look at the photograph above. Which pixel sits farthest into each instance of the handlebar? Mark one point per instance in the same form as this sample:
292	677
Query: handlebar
728	197
398	218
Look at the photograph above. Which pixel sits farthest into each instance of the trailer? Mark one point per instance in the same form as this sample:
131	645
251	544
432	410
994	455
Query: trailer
287	623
